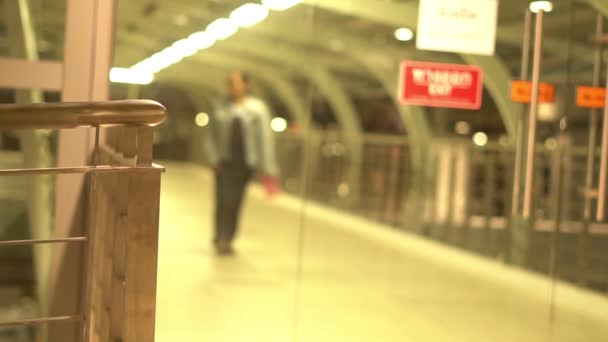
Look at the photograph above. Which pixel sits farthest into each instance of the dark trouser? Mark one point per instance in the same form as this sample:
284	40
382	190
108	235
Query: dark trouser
231	182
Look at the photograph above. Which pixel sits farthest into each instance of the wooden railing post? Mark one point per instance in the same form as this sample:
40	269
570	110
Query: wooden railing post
142	248
121	237
141	257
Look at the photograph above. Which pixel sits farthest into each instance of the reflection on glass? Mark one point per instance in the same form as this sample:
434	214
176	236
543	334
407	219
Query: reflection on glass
215	68
42	24
394	222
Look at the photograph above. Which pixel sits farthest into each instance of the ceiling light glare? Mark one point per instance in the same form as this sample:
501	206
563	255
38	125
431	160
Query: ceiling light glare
551	143
404	34
184	47
280	5
153	64
462	128
480	139
130	76
278	124
222	28
248	15
165	59
201	119
537	6
201	40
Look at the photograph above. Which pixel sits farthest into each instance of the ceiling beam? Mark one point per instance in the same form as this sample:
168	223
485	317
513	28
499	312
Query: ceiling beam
385	71
406	14
281	86
383	67
297	61
319	75
328	85
600	5
497	81
353	49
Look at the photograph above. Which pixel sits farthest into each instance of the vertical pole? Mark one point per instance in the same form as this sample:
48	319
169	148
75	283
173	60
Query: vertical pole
529	180
490	185
601	194
519	144
87	59
451	197
557	195
597	68
593	126
36	150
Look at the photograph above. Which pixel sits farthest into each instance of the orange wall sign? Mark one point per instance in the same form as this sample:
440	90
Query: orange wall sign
521	92
590	97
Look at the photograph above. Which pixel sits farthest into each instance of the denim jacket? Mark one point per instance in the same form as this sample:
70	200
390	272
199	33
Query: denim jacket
258	137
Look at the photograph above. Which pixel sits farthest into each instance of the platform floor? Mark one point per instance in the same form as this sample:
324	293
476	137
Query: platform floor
352	281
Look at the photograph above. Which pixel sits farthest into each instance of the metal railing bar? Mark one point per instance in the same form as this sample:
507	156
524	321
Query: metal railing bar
137	113
38	321
41	242
79	170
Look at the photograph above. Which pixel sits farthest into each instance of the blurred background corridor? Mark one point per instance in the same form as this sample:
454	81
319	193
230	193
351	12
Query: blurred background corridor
375	208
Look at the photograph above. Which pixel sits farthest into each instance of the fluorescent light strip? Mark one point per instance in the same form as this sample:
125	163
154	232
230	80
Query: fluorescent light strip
537	6
404	34
222	29
246	15
249	15
124	75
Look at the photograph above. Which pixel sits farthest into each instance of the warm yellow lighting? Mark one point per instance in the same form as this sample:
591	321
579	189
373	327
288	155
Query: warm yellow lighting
184	48
551	143
201	119
222	28
201	40
248	15
537	6
404	34
480	139
278	124
280	5
131	76
462	127
343	190
161	60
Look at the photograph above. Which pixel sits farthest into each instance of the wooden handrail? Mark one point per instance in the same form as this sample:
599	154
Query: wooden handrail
135	113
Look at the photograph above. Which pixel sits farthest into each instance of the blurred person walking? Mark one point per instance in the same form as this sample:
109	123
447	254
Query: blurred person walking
239	144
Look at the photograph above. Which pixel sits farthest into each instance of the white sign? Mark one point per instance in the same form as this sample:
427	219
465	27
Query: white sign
463	26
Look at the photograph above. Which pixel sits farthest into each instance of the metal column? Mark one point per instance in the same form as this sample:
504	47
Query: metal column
519	143
590	165
601	193
529	175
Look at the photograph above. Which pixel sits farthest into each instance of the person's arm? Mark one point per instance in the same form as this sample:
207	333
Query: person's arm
211	142
268	163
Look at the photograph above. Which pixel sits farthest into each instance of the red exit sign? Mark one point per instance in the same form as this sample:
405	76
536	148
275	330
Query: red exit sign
440	85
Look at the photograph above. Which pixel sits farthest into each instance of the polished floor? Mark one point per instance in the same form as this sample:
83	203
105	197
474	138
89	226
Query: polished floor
308	274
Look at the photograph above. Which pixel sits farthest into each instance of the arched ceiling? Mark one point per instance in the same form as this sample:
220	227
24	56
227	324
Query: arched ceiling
336	34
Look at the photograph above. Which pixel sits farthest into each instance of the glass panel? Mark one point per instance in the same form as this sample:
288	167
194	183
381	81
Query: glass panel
25	286
46	22
395	222
408	234
578	241
26	212
249	295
